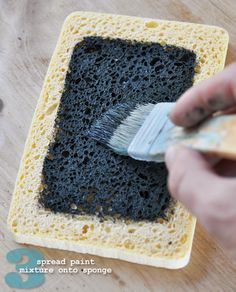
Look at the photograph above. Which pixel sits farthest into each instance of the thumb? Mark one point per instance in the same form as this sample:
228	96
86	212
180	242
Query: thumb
191	178
207	195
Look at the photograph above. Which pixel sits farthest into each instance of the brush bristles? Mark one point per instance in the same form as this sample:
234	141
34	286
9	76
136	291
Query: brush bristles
103	129
125	132
119	125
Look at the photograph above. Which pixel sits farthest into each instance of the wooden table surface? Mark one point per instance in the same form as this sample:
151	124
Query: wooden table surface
28	33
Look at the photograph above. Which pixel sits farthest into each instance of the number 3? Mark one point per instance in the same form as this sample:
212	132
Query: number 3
13	279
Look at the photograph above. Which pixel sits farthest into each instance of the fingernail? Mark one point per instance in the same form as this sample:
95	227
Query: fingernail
170	155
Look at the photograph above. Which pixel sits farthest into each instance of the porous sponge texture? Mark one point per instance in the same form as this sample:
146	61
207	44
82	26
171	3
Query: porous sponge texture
162	243
81	176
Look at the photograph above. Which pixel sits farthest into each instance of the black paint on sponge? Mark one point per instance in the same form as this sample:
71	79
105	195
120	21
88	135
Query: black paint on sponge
80	176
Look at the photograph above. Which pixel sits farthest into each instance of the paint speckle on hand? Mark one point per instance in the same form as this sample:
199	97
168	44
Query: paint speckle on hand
199	111
196	115
218	102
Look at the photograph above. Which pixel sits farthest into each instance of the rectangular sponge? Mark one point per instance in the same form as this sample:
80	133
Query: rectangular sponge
140	242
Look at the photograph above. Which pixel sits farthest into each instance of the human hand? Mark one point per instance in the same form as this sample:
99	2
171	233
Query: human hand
206	188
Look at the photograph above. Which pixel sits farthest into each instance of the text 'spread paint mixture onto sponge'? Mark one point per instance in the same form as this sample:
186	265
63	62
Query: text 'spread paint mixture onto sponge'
72	192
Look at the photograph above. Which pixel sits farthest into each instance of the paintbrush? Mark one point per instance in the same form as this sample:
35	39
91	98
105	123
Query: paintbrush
144	132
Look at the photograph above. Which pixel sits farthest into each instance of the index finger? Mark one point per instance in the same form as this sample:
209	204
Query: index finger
207	97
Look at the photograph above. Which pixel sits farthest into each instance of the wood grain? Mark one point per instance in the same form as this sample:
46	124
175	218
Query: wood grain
28	34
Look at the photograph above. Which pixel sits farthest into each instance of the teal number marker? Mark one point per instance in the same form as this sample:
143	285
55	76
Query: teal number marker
14	279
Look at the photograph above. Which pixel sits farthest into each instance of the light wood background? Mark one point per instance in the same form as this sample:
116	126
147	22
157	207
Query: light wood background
28	33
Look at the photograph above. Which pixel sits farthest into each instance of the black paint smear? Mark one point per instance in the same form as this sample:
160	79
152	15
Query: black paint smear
80	175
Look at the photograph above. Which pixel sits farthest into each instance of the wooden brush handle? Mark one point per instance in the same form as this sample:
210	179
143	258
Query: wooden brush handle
216	135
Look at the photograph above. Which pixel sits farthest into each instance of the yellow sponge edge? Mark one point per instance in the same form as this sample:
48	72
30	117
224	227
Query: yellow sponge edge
162	244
